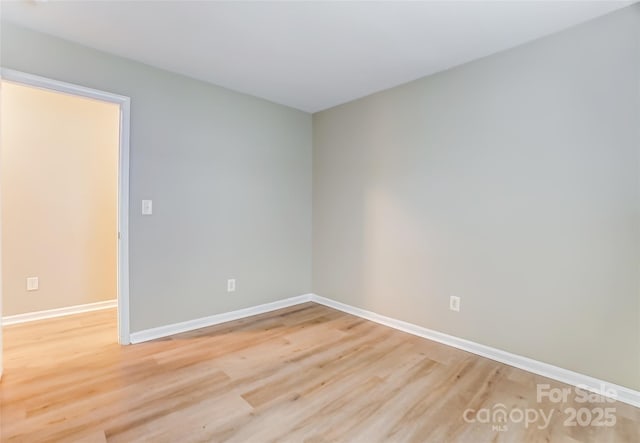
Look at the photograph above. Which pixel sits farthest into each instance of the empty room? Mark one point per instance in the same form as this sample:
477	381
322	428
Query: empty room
320	221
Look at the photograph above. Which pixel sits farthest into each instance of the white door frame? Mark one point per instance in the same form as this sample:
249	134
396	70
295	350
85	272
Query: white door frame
123	181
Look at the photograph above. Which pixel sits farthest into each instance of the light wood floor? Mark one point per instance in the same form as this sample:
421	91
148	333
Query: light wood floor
305	373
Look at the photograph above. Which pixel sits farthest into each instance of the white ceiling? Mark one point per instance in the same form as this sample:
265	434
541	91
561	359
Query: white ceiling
307	55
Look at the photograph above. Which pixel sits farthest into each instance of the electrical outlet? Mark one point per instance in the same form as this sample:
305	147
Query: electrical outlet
454	303
231	285
33	283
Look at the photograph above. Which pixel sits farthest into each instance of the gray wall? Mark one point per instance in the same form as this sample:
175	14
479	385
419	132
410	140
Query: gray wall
229	175
511	182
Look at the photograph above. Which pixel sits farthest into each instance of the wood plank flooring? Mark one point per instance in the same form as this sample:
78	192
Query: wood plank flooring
302	374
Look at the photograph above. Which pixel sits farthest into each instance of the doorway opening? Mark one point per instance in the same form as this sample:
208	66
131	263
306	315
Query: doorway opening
64	199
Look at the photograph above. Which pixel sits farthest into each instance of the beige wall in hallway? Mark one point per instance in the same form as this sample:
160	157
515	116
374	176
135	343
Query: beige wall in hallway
59	198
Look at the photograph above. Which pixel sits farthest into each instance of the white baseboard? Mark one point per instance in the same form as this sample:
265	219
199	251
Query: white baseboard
592	384
623	394
59	312
190	325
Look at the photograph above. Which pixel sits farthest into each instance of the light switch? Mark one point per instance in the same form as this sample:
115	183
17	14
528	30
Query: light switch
147	207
